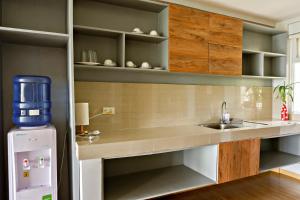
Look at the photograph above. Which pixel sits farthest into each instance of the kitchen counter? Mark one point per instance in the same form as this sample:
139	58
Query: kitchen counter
135	142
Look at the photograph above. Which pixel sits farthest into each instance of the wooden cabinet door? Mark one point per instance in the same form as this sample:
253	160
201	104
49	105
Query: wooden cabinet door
225	30
238	160
188	39
225	45
225	60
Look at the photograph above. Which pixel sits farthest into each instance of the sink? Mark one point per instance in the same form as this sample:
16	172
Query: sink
221	126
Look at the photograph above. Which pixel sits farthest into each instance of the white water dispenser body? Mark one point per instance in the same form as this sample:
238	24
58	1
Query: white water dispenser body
32	164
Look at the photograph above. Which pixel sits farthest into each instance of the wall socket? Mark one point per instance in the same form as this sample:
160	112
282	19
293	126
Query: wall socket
108	111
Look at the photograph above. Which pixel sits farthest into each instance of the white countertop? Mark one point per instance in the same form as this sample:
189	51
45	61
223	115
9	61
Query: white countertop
134	142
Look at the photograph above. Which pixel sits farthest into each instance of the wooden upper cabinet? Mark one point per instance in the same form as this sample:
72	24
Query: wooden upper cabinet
225	30
188	39
238	160
204	42
225	45
225	60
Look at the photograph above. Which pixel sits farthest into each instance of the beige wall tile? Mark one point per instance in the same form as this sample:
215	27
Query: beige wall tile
155	105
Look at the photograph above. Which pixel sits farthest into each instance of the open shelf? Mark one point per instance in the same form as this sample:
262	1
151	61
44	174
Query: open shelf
146	5
106	47
141	51
145	37
248	26
275	159
49	16
266	54
113	33
23	36
154	183
149	176
279	152
262	77
96	31
275	66
266	57
95	69
78	66
122	15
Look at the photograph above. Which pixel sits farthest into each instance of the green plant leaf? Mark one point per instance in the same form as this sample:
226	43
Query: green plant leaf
282	93
276	88
291	96
285	90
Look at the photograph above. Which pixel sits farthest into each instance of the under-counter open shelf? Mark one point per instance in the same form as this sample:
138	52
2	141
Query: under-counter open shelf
155	175
275	159
279	152
153	183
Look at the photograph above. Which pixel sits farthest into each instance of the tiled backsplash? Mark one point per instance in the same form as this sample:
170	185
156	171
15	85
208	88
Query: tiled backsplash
155	105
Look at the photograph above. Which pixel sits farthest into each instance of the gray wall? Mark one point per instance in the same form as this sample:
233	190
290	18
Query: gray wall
34	60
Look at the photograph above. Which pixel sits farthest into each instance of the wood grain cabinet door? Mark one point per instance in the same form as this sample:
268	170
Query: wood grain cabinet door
188	39
225	45
238	160
225	60
225	30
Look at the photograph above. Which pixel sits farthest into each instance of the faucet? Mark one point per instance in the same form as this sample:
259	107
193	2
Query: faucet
224	115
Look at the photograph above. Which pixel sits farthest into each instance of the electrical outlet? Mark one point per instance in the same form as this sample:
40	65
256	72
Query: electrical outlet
108	111
259	105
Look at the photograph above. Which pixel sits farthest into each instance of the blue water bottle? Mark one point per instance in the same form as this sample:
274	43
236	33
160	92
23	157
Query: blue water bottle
31	101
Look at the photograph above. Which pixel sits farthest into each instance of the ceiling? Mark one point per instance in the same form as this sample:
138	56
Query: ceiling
277	10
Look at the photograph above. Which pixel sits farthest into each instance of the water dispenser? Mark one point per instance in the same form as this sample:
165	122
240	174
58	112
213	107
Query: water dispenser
32	163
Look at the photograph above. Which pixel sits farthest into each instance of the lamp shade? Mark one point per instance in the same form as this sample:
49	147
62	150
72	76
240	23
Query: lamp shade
82	114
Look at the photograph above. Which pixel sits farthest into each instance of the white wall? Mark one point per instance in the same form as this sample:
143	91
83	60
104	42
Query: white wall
234	13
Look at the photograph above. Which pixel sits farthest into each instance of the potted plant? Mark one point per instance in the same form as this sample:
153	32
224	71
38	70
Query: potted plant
284	92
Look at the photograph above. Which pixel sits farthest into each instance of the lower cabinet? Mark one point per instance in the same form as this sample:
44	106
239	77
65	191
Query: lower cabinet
238	160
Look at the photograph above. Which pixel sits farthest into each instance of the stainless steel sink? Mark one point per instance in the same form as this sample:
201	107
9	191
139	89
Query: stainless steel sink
221	126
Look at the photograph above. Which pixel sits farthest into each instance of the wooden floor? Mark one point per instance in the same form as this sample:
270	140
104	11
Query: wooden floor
267	186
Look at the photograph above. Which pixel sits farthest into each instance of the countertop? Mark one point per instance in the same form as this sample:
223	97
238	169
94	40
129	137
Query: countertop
135	142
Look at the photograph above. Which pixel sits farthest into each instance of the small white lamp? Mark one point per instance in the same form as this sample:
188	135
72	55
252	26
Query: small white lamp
82	116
